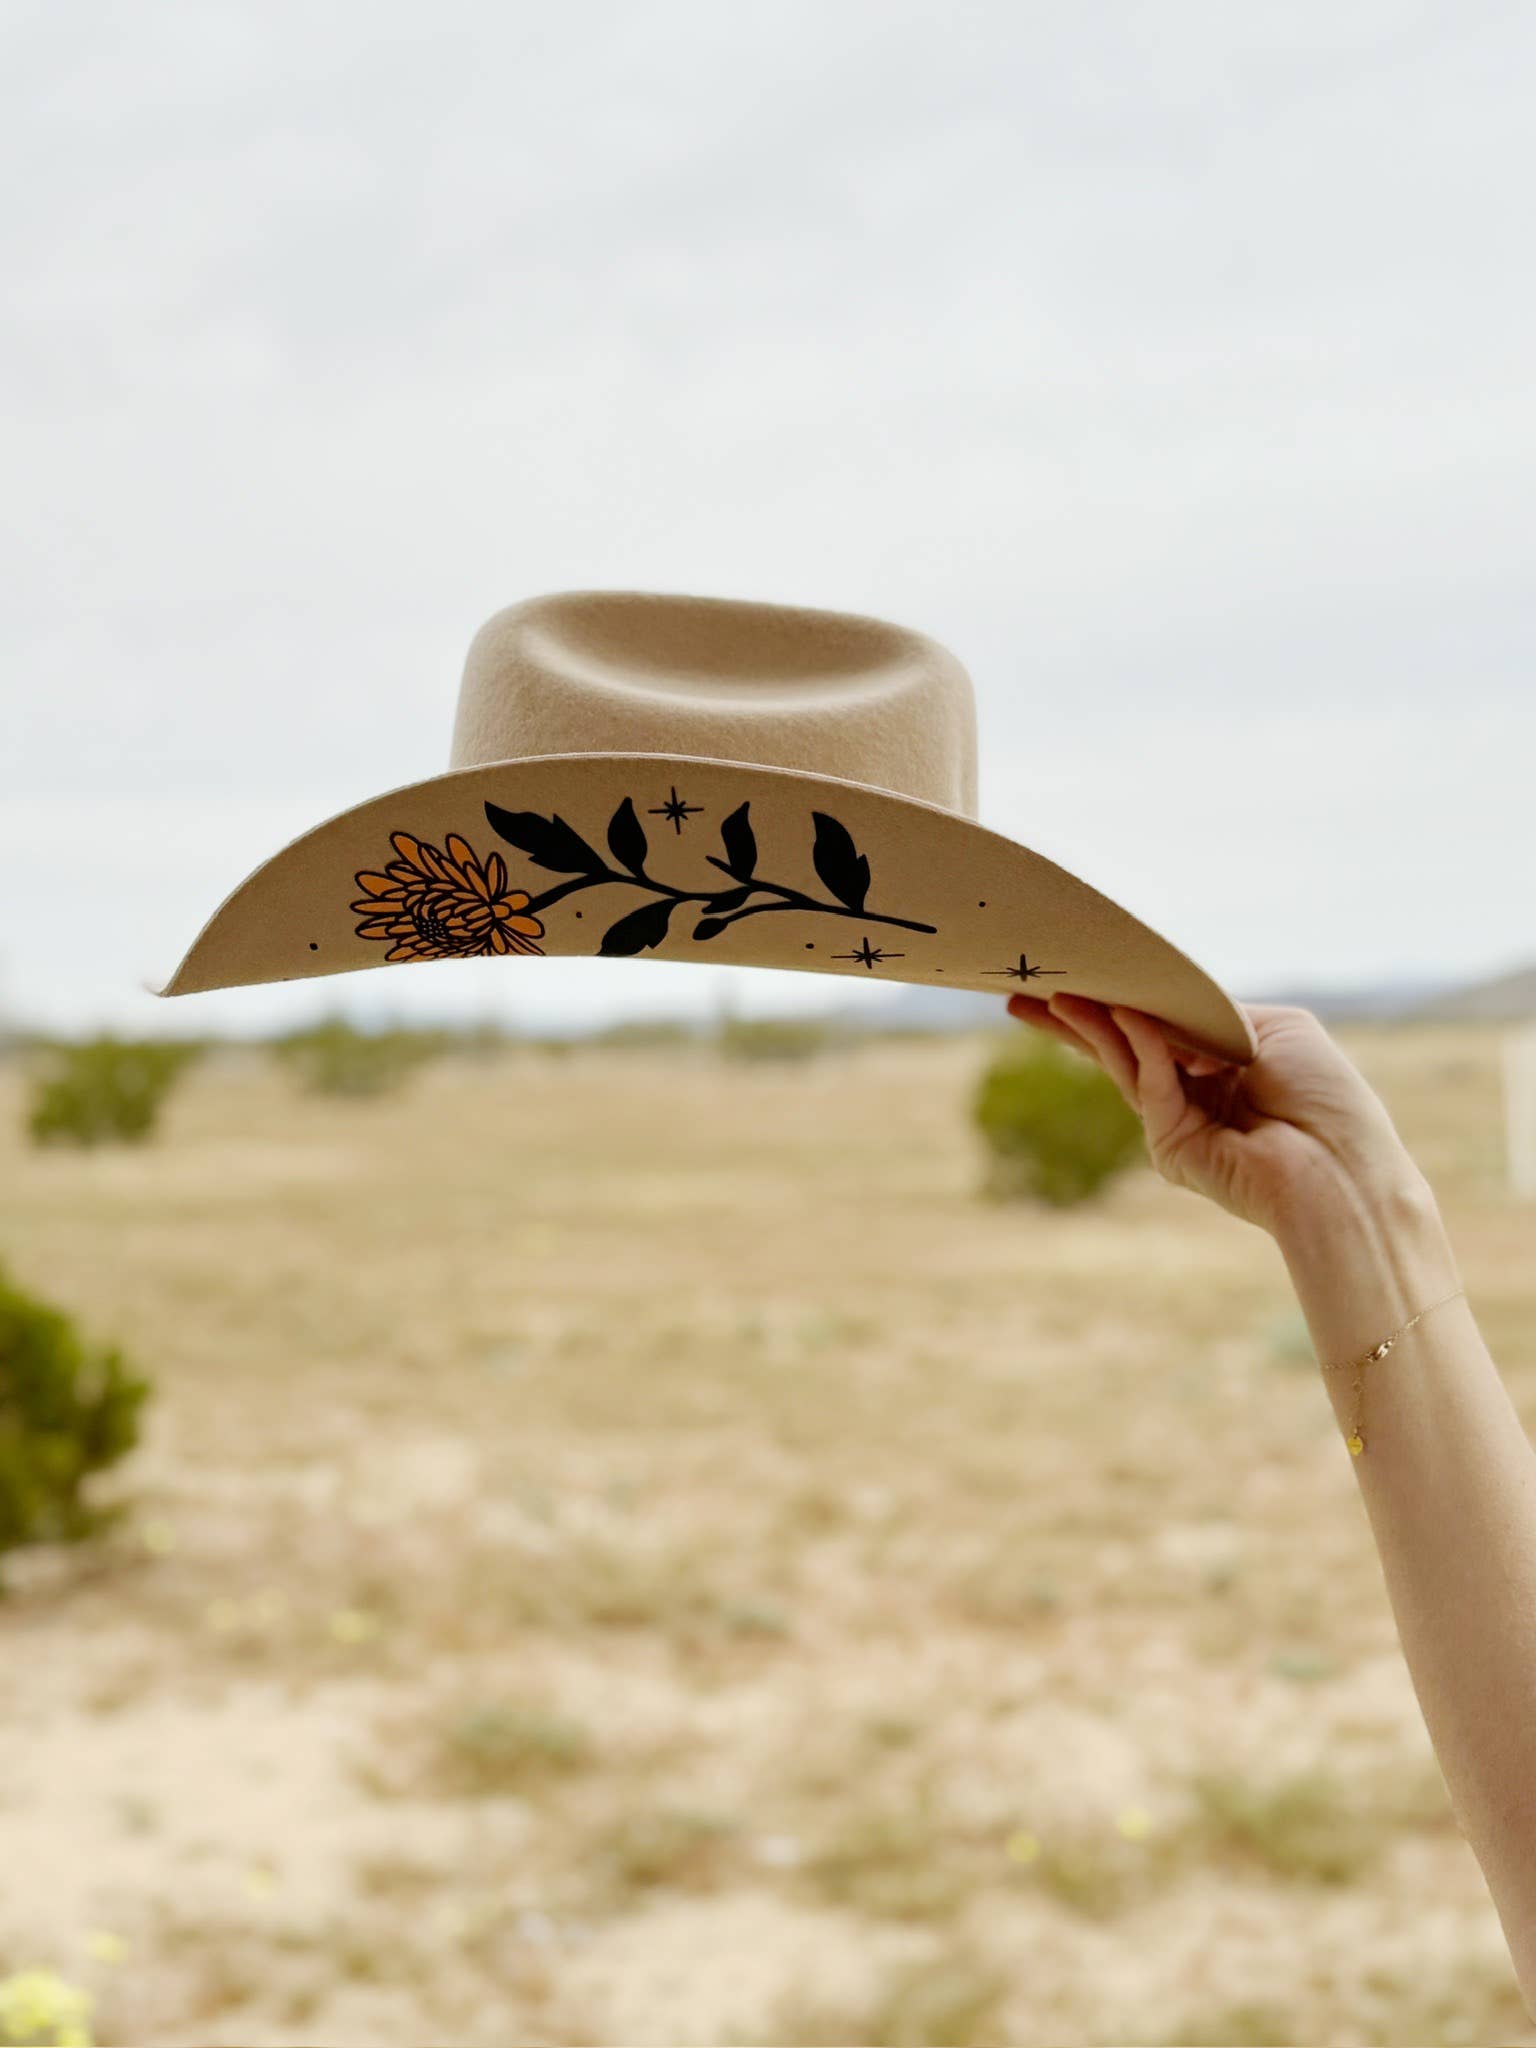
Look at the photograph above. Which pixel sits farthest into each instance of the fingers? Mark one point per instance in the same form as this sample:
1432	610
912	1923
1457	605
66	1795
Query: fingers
1092	1022
1164	1105
1090	1028
1197	1063
1032	1010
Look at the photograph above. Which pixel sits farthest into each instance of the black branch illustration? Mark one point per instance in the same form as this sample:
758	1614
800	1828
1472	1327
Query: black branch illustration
553	844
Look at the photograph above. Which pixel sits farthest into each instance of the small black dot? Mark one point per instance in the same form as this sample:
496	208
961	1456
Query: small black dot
938	970
810	945
578	913
314	945
982	905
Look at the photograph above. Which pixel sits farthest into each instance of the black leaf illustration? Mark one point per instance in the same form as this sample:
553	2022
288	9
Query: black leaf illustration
640	930
548	842
626	838
740	843
839	863
730	899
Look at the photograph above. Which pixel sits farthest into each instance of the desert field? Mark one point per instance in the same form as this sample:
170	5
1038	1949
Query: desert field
632	1547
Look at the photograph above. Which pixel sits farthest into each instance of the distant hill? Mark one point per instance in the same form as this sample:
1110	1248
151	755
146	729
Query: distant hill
1503	999
1498	998
1377	1002
913	1008
958	1009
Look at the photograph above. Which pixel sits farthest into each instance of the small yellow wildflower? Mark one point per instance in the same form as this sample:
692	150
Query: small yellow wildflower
261	1880
104	1946
39	2009
1022	1847
1135	1823
353	1625
158	1537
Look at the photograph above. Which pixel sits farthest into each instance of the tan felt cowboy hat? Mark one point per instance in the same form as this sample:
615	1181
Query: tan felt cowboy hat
698	778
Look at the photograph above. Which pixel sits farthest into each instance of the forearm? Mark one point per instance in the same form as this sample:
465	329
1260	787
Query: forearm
1448	1477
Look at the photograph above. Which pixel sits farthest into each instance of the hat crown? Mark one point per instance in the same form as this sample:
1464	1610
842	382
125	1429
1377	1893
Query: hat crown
785	686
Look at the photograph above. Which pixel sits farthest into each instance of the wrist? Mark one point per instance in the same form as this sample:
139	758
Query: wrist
1384	1192
1365	1251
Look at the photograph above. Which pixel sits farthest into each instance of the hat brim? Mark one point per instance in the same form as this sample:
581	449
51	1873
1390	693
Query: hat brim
682	858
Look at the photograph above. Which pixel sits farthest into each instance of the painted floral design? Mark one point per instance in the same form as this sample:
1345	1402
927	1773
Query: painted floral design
436	903
444	903
552	843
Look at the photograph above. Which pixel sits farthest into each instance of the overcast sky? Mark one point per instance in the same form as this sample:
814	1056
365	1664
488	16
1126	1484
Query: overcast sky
1171	363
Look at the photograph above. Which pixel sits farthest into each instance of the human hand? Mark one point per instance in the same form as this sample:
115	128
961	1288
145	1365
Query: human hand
1296	1124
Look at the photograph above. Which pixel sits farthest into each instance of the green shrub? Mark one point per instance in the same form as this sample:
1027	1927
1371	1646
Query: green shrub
105	1090
645	1034
66	1412
1056	1126
773	1038
552	1048
488	1040
335	1058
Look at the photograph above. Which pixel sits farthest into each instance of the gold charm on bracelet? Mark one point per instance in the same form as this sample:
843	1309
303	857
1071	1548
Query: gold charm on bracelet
1356	1439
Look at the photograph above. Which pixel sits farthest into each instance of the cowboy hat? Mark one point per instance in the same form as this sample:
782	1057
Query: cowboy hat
701	778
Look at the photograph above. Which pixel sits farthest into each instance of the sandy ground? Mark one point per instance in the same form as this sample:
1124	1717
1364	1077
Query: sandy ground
633	1548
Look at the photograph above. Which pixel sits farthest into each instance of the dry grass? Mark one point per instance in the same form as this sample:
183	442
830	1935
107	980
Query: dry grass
953	1999
631	1547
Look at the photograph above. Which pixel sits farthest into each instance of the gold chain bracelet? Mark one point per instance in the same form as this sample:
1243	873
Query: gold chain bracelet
1355	1440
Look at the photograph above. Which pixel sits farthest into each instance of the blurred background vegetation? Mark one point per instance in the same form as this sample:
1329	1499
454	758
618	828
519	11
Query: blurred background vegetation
778	1489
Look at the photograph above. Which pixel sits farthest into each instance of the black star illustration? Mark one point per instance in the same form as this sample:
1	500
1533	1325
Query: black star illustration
675	809
1023	972
869	956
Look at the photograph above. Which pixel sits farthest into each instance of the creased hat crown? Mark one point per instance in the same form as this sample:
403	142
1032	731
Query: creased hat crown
615	671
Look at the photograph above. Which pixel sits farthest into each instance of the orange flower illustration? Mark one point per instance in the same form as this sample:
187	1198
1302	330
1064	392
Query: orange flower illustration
443	903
